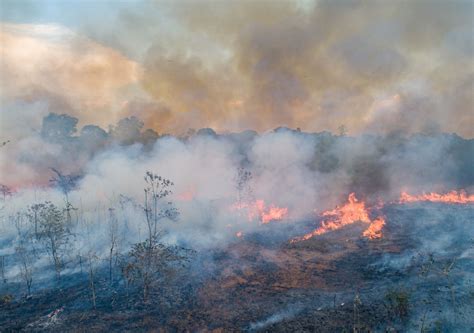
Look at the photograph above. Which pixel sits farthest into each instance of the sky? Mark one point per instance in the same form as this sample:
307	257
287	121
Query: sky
372	66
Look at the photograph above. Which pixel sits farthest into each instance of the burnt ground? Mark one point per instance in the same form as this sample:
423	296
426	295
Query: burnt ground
418	277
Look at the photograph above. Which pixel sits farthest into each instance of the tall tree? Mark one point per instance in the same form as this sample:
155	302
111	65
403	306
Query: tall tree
127	131
150	260
58	127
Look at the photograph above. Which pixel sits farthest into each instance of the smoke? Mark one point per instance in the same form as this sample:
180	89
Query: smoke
275	318
371	66
303	172
108	98
306	173
49	68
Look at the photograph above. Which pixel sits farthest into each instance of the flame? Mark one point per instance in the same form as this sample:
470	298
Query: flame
355	210
374	230
259	210
351	212
273	214
239	234
453	197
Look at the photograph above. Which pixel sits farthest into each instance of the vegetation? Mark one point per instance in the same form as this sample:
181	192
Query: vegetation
53	234
45	228
55	239
151	260
242	184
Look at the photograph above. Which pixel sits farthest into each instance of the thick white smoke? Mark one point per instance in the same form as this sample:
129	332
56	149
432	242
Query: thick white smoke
305	173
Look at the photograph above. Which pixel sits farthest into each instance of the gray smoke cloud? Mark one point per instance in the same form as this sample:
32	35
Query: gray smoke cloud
369	65
303	172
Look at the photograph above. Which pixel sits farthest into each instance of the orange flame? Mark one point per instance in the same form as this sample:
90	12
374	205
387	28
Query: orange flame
374	230
259	210
239	234
453	197
273	214
351	212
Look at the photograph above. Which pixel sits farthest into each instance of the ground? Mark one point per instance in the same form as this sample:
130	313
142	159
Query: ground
336	282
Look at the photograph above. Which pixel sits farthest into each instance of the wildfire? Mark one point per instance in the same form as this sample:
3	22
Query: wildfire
355	211
274	213
351	212
259	210
453	197
374	230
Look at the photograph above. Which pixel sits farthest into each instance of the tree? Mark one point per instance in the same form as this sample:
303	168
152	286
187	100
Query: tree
149	137
93	134
92	259
156	190
5	191
24	252
2	269
32	214
356	326
242	184
113	235
93	137
53	233
150	260
206	132
65	183
58	127
26	265
325	159
342	130
127	130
